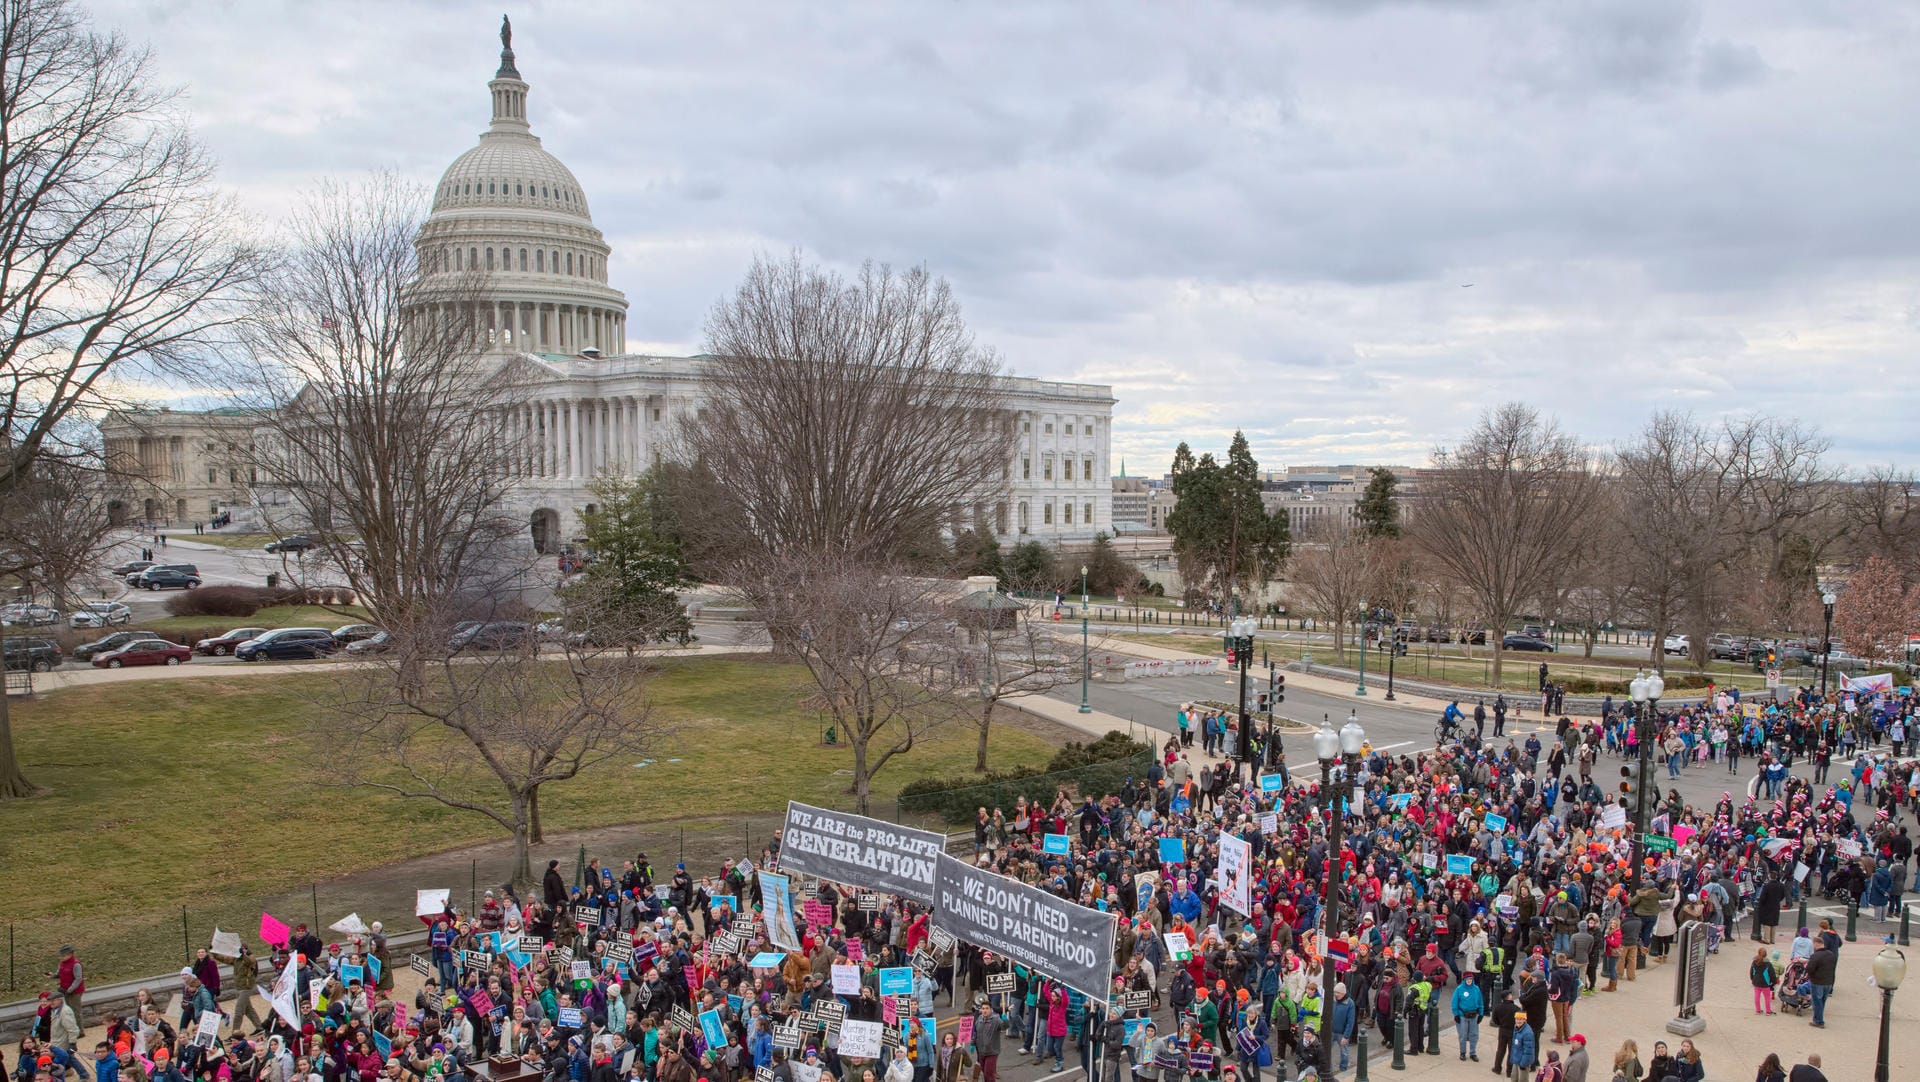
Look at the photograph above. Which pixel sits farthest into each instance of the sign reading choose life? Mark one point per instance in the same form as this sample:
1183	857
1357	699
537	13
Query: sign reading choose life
845	848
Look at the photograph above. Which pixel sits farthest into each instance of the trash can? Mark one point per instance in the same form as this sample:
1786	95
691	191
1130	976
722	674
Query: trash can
273	580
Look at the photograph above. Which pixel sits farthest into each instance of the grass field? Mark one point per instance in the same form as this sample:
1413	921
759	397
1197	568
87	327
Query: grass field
202	801
1520	673
271	616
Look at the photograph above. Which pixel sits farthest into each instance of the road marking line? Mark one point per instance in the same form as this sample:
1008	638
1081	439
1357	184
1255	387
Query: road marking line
1390	747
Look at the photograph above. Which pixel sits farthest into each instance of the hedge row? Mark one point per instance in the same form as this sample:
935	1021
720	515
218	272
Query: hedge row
1094	769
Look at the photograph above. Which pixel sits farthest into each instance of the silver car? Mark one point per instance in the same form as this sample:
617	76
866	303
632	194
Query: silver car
101	614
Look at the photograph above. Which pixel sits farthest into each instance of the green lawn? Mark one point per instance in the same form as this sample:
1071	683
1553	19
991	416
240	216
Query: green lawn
203	800
271	616
1520	673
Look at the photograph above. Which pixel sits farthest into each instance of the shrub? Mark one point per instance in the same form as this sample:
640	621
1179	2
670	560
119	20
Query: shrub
1097	768
224	600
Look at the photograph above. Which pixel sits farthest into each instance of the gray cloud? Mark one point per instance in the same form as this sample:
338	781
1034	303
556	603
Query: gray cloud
1240	214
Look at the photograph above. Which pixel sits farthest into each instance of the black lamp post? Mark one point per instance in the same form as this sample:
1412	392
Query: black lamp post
1826	639
1646	691
1393	651
1240	635
1330	748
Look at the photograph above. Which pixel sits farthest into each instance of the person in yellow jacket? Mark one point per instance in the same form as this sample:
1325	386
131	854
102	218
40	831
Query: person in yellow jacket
1419	996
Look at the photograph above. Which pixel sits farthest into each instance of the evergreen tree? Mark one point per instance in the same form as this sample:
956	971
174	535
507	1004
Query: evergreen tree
1224	539
1107	572
1033	567
1378	512
977	552
626	592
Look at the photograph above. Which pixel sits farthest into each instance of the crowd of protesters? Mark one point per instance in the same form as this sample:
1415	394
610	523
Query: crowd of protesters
615	977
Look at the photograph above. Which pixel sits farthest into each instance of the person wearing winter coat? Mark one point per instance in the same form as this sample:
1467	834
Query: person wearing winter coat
1525	1048
1467	1007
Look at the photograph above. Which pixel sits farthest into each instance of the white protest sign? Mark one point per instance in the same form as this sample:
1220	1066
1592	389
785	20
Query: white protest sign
846	981
860	1040
1236	874
351	924
225	944
430	903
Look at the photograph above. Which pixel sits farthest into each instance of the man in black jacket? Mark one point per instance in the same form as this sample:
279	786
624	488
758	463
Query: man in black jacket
1820	973
1808	1071
1504	1014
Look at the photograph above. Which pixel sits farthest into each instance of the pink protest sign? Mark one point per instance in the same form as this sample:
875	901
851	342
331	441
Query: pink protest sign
856	951
887	1012
272	931
1682	832
817	914
482	1003
965	1035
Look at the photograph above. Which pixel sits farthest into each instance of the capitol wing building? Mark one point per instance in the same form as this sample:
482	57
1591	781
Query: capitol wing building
513	212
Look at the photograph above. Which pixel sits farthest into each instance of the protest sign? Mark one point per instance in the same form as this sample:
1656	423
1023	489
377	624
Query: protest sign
832	1012
860	1040
374	966
1173	851
817	914
763	1073
787	1037
419	964
582	970
724	943
1236	874
941	939
896	981
569	1017
867	903
846	980
1269	823
349	974
382	1045
620	953
272	932
1177	946
1057	844
923	962
1496	823
856	950
351	924
1272	783
1614	817
682	1019
1137	1000
1399	801
776	896
847	848
482	1003
999	984
1069	942
713	1029
225	944
430	903
964	1032
1459	864
766	960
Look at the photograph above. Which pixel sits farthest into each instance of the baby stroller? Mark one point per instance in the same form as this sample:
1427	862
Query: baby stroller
1792	999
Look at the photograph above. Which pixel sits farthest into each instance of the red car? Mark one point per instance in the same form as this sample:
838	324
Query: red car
144	652
222	645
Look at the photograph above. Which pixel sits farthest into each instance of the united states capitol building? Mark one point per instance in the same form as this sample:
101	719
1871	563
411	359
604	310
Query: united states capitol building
512	210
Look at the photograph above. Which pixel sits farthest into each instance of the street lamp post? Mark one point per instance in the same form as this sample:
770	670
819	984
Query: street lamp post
1086	659
1646	690
1240	634
1889	969
1826	639
1330	748
1393	651
1366	617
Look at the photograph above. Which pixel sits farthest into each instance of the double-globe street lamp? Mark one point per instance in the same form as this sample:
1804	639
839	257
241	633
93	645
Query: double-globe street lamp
1889	969
1646	689
1240	634
1331	748
1366	618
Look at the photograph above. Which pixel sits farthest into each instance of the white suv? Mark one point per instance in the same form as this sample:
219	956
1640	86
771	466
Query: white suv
1676	644
101	614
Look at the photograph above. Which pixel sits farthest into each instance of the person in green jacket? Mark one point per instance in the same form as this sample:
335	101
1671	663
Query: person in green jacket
1206	1016
1419	995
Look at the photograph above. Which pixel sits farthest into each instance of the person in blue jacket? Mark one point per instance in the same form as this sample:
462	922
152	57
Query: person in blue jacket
1525	1055
1185	904
1467	1008
1343	1022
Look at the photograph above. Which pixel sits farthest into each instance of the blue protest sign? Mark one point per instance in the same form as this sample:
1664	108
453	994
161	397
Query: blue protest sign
1173	851
1496	823
373	966
569	1017
727	900
767	960
384	1045
1143	894
349	974
1057	844
1459	864
1401	800
712	1029
896	981
1272	783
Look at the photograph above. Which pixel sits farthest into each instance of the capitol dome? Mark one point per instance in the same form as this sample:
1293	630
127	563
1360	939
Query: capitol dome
512	218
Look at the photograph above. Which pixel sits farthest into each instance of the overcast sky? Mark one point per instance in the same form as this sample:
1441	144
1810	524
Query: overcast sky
1343	225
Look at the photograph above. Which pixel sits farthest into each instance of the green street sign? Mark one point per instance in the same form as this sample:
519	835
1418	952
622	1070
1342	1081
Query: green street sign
1658	843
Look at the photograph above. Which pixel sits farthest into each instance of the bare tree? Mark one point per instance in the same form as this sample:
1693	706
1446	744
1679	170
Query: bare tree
996	664
1333	567
1503	509
383	420
485	732
117	250
878	647
1697	503
55	524
1878	611
849	418
1880	513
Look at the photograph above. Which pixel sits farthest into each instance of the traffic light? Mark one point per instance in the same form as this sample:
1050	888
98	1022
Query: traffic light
1279	688
1263	703
1628	780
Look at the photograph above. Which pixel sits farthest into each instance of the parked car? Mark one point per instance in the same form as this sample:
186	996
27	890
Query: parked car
167	579
222	645
498	635
1439	633
100	614
143	652
375	644
1526	642
288	644
1476	637
1534	631
29	615
131	567
1676	644
353	633
88	651
1841	661
24	652
1727	648
297	543
1407	631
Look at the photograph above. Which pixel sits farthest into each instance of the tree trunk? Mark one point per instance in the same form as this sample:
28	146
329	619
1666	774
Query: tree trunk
862	784
533	814
521	874
13	784
1591	635
1496	638
986	723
